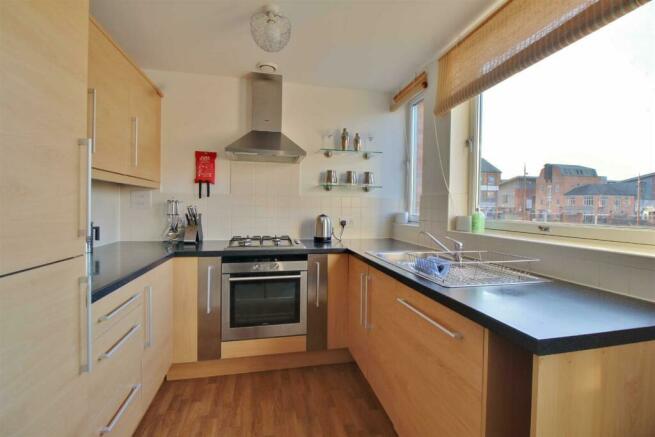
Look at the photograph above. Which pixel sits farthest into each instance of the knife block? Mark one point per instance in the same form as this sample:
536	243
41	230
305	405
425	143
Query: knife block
193	232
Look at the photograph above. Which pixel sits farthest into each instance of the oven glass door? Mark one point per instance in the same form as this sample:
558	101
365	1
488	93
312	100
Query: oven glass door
265	305
264	302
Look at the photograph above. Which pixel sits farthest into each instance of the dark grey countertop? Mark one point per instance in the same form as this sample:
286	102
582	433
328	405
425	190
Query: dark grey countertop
546	318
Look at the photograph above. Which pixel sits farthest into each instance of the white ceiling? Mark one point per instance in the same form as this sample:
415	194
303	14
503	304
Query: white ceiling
368	44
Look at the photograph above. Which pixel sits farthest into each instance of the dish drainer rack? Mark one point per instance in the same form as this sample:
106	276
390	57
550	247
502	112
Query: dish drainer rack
477	268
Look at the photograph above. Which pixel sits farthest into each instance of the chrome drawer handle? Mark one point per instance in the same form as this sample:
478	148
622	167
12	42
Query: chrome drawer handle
263	278
110	315
366	279
116	347
149	310
117	417
318	283
440	327
361	298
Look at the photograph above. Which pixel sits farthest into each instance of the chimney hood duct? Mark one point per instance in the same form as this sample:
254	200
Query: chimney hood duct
265	142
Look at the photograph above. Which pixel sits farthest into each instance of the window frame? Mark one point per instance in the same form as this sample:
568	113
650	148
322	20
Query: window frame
411	198
615	234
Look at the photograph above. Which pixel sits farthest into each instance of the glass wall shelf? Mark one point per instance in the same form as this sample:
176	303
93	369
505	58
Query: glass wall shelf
329	187
365	153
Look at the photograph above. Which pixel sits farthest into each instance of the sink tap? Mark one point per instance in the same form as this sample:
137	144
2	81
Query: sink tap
459	246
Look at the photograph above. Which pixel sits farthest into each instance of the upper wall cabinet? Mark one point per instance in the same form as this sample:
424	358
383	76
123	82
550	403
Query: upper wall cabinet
124	115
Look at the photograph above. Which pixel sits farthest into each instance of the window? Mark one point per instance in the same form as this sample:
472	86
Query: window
416	120
491	180
580	123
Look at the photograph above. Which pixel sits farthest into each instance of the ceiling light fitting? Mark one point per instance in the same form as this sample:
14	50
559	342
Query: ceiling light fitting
267	67
270	30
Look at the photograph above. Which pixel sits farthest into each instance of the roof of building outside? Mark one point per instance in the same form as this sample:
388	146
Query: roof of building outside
530	179
574	170
643	176
611	189
487	167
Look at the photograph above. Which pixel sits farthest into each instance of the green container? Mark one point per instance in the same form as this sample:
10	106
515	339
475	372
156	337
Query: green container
477	221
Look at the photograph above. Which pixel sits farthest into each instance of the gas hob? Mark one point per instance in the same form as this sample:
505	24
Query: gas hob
264	242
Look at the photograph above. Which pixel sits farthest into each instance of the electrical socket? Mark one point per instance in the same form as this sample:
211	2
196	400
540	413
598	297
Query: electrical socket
349	221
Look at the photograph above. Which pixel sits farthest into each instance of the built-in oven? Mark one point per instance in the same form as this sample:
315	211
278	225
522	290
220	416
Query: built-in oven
263	296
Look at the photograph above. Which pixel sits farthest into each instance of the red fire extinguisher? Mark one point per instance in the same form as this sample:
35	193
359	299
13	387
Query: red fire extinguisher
205	170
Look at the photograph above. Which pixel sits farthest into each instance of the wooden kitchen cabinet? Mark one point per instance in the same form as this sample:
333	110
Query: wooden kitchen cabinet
109	71
145	110
42	389
116	389
43	104
357	331
124	115
158	352
337	316
434	371
441	372
185	316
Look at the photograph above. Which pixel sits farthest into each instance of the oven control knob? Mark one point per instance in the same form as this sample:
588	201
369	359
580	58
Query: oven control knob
275	266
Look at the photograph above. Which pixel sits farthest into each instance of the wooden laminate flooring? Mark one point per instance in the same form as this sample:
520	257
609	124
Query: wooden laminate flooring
333	400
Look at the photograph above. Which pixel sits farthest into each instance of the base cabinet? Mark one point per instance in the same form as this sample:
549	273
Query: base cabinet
158	339
133	353
427	364
42	391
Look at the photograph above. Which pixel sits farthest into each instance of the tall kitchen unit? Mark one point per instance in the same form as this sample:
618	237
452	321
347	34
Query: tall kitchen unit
43	217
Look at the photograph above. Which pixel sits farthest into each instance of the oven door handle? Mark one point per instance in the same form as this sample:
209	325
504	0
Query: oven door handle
263	278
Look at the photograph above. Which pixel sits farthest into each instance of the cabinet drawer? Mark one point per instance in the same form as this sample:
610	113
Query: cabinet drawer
122	420
117	354
112	308
434	358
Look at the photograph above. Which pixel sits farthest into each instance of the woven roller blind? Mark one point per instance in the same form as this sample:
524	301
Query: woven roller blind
519	34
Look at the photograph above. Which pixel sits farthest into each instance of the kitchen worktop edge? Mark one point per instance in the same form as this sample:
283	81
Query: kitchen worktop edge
137	258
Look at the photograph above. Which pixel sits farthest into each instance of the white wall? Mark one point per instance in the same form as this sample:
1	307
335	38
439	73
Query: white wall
202	112
106	211
601	268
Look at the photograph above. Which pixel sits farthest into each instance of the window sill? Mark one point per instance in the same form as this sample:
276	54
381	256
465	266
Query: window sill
642	250
409	225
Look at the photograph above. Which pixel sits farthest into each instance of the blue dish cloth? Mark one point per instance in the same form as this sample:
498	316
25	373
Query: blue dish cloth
433	265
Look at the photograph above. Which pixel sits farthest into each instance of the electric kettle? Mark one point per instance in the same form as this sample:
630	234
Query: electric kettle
323	231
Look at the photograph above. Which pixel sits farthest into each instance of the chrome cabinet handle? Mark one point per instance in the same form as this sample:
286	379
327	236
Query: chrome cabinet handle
110	315
366	326
263	278
209	289
85	192
117	417
116	347
149	315
318	283
135	122
93	93
87	366
361	299
439	326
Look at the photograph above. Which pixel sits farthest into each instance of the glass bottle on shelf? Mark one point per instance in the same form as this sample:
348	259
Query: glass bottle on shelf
345	139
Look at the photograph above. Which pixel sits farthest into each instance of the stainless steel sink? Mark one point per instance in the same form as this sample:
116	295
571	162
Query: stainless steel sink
477	267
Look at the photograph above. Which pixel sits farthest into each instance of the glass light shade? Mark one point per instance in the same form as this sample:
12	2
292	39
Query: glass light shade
270	31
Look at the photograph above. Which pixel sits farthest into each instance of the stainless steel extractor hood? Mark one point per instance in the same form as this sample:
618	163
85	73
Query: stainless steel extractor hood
265	142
